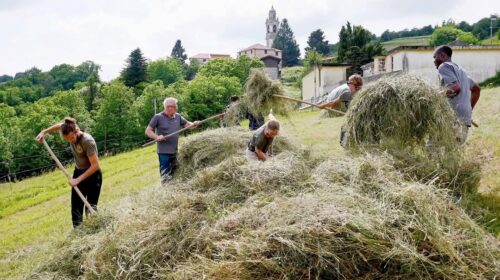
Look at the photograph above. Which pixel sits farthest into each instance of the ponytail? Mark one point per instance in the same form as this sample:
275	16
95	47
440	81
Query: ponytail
69	125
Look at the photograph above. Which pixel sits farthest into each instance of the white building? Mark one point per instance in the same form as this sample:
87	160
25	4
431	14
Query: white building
480	62
203	58
322	79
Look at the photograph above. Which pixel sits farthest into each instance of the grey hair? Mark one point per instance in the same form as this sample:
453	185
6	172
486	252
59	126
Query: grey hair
169	100
273	125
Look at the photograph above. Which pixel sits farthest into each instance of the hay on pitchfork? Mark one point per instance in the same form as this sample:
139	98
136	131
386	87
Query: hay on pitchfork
261	92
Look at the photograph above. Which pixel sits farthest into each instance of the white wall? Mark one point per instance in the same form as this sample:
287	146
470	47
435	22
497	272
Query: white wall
330	77
480	64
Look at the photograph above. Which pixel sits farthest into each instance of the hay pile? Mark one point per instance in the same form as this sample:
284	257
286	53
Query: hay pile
259	92
402	110
214	146
284	219
287	218
413	122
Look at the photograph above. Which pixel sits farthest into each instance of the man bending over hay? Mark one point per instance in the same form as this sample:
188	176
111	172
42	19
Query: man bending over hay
462	92
343	94
260	145
165	123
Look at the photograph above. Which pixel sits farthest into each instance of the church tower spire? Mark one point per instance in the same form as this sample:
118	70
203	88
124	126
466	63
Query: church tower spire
272	23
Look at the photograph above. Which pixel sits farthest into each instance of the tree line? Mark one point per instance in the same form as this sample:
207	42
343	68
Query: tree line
116	112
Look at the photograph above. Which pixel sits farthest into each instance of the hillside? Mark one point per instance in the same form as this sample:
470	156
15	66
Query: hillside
35	217
408	41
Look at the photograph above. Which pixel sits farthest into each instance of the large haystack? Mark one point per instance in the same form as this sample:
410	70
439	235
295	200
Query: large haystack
403	110
412	121
355	218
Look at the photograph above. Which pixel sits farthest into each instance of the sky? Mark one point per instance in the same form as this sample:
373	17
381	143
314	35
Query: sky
44	33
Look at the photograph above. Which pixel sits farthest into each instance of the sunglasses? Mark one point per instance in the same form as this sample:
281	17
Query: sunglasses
356	86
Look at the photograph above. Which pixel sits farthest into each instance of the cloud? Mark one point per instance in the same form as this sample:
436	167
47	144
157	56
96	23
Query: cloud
44	33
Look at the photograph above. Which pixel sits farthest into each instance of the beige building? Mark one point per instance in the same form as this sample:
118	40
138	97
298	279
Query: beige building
323	79
271	58
203	58
480	62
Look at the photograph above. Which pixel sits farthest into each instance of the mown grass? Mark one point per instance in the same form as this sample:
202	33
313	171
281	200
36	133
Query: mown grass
408	41
35	213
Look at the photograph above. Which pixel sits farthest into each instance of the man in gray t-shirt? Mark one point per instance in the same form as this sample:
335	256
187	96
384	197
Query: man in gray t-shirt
462	92
260	145
167	122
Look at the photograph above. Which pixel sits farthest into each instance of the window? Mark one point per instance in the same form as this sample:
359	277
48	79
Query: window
274	28
265	51
277	53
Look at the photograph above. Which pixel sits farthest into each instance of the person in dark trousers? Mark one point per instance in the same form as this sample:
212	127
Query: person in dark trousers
87	175
165	123
462	92
254	122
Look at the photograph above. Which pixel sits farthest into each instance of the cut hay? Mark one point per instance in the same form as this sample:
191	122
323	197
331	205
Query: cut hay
413	121
211	147
259	92
283	219
402	110
232	116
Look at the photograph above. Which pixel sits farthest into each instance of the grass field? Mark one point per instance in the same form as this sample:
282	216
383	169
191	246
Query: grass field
34	213
408	41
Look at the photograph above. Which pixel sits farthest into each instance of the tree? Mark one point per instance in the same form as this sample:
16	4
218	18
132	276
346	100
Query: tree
207	96
178	52
357	46
229	67
448	33
114	118
355	57
312	58
464	26
192	69
317	42
468	38
481	29
5	78
135	70
151	101
285	41
64	76
167	70
344	41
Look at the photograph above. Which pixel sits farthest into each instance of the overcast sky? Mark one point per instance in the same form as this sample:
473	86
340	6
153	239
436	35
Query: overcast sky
44	33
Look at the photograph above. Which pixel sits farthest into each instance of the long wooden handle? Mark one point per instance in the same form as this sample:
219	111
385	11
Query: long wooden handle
308	103
77	190
184	129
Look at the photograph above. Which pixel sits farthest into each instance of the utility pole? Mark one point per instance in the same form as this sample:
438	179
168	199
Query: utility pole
492	17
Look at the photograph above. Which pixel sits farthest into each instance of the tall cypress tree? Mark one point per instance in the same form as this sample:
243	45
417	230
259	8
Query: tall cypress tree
317	42
179	52
135	70
285	41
